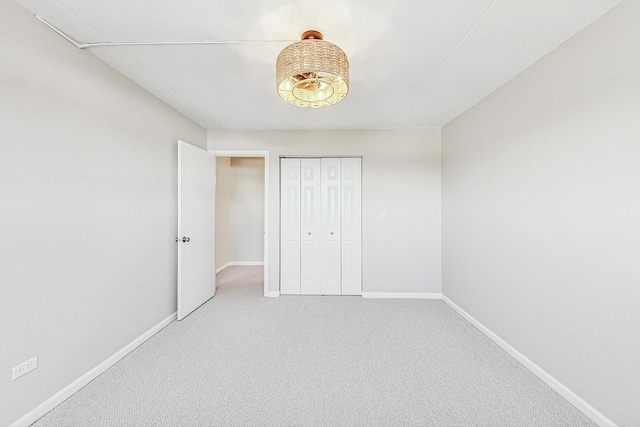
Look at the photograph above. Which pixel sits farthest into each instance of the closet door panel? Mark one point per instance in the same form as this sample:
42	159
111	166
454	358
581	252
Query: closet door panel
331	183
311	229
352	226
290	226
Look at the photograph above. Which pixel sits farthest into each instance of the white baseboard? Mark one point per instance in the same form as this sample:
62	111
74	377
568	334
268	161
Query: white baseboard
414	295
272	294
40	410
229	264
560	388
246	263
219	269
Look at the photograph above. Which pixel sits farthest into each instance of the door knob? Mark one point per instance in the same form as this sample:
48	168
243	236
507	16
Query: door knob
332	233
309	233
186	239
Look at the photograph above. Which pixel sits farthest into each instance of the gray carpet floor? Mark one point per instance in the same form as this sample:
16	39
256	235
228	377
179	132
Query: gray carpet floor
245	360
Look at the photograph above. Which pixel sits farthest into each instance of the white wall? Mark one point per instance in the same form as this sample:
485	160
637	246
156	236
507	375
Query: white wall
541	208
87	210
223	211
239	210
247	209
401	175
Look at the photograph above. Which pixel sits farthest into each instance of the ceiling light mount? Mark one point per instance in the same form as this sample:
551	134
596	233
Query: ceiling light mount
311	34
312	73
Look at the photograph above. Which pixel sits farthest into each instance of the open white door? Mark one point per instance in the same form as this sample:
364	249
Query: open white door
196	228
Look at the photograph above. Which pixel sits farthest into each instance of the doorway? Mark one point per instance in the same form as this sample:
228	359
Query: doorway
242	183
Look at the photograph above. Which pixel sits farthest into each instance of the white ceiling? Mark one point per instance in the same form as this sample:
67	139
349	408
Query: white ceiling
414	63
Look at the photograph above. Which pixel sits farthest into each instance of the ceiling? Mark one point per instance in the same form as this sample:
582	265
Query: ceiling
413	63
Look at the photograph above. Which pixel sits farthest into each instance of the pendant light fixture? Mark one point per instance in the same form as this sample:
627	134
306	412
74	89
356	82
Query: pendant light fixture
312	73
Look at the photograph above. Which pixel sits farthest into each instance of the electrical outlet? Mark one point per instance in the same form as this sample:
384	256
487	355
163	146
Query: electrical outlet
23	368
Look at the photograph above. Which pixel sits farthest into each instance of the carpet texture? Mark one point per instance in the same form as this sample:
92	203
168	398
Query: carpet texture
245	360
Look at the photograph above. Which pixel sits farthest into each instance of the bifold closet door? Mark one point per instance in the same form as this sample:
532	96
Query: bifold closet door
290	226
311	239
331	183
352	226
320	226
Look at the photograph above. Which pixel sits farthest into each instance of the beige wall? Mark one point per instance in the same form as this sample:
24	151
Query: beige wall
239	210
541	200
88	210
223	211
401	175
247	209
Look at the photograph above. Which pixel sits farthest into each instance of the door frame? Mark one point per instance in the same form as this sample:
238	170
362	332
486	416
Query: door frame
265	155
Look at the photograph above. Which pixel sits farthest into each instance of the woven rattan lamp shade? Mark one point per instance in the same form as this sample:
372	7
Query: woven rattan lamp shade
312	73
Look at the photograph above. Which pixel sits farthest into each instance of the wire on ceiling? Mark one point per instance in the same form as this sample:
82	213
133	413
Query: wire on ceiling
156	43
